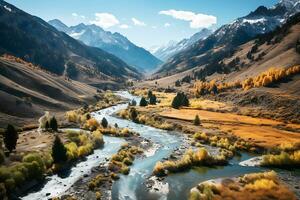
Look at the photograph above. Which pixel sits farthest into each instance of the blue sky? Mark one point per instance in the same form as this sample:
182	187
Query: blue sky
144	22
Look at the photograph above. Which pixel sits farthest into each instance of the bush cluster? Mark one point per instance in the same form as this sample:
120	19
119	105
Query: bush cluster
33	166
191	158
120	162
132	114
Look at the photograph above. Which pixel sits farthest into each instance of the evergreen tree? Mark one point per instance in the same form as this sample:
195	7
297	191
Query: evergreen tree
152	100
177	83
214	89
47	126
53	124
132	103
180	100
59	151
143	102
149	94
10	137
133	114
197	120
104	122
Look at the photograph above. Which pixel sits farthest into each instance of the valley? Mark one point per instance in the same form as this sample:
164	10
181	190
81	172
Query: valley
85	113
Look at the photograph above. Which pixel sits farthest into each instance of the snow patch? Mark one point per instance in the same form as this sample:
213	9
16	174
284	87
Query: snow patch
254	21
7	8
77	35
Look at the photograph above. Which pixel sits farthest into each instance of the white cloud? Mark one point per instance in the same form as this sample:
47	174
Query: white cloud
124	26
167	25
138	22
75	15
197	20
105	20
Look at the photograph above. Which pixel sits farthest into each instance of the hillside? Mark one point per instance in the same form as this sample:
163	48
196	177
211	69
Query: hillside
223	42
27	91
114	43
34	40
278	49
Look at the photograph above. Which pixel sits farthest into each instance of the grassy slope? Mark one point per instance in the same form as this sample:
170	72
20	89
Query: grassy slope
27	92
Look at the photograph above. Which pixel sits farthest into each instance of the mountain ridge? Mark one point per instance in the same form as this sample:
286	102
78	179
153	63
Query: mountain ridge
114	43
34	40
223	41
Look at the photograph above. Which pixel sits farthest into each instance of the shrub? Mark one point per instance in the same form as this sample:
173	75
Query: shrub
97	139
143	102
59	152
91	124
72	150
197	120
104	122
261	184
10	137
284	159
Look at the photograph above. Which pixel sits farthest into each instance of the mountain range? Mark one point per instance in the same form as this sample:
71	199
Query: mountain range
34	40
224	41
164	52
114	43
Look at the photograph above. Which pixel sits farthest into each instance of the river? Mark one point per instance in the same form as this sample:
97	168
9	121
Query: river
132	186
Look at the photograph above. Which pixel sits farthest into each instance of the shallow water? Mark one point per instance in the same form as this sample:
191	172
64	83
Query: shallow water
56	185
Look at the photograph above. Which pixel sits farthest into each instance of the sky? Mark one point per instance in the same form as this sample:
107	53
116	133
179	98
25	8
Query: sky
146	23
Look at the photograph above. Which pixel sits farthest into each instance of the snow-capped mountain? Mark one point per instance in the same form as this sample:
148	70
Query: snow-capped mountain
260	21
114	43
166	51
229	36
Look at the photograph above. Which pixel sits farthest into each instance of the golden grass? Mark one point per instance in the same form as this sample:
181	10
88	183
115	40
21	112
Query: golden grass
255	186
262	131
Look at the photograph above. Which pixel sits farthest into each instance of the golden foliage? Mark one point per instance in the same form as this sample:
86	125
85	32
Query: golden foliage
270	76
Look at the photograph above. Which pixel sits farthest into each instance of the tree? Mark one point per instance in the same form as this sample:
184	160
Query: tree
10	137
197	120
177	83
53	124
133	114
143	102
104	122
132	103
149	94
59	151
152	100
180	100
47	126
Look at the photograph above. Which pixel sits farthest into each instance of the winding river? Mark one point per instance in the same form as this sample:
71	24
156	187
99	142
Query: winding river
132	186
